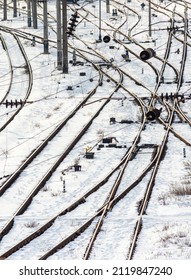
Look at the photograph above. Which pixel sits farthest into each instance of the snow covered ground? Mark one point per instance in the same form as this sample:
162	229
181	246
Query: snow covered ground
166	225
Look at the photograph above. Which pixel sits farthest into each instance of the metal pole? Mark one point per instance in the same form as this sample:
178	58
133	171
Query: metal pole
100	39
5	10
29	12
107	6
65	38
45	27
59	32
34	13
14	8
150	34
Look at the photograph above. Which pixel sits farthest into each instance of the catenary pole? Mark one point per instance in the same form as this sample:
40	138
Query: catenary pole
29	12
5	10
14	8
65	38
150	33
34	13
107	6
45	27
100	38
59	32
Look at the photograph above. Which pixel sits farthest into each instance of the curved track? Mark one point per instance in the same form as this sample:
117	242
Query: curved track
116	193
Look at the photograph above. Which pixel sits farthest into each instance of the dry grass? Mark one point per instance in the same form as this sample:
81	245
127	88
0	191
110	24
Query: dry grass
44	189
31	224
184	189
187	165
164	198
173	234
37	125
100	133
58	107
56	193
176	190
48	115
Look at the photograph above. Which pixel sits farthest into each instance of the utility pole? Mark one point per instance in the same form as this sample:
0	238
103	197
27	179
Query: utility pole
14	8
5	10
45	27
65	38
150	18
29	12
59	32
99	39
107	6
34	13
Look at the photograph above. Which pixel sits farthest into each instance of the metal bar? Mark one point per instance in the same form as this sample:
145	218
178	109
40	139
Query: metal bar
59	31
5	10
45	27
65	39
29	12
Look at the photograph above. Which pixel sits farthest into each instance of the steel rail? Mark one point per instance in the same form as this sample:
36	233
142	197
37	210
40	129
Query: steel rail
30	81
129	37
11	68
150	185
49	173
72	207
113	199
146	198
56	130
100	212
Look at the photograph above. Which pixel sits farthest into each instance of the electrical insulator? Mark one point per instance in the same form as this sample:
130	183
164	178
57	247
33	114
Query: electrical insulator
13	103
7	103
154	114
72	23
147	53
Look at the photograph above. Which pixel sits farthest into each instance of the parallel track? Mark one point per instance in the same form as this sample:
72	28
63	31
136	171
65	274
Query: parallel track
112	197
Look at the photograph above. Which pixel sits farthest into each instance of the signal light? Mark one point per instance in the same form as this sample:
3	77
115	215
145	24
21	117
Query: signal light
106	39
154	114
146	54
72	23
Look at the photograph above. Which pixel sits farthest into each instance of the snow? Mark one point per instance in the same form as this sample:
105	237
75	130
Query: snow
166	227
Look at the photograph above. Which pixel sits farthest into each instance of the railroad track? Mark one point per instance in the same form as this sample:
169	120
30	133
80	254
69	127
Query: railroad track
109	203
41	147
19	211
148	192
113	192
102	212
145	200
12	179
170	118
10	70
14	85
12	220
